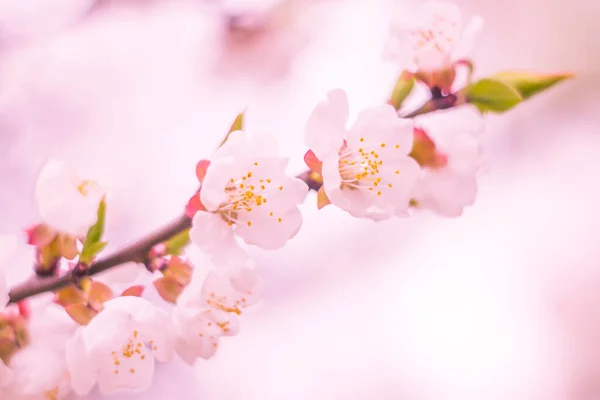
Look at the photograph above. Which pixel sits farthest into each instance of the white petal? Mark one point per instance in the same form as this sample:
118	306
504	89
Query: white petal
232	289
218	175
467	41
38	369
445	192
381	125
199	331
216	239
107	328
133	373
326	125
332	182
83	375
60	203
269	230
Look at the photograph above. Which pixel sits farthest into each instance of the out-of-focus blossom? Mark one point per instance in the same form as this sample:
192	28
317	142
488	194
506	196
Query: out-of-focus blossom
430	37
39	370
366	169
448	146
247	193
31	19
7	249
199	331
65	201
209	313
118	347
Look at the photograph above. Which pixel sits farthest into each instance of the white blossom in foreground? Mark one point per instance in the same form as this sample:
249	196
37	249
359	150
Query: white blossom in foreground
39	370
118	348
366	169
247	193
211	312
65	201
430	37
449	184
7	249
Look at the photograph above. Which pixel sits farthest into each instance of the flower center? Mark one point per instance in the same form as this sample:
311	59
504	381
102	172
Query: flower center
222	303
133	349
441	35
52	394
360	169
86	187
245	194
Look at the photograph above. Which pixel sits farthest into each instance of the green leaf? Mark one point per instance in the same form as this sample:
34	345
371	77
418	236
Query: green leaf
89	253
238	125
529	84
403	87
177	243
492	95
92	244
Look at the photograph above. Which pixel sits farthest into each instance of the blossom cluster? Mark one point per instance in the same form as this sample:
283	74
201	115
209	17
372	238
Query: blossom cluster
94	330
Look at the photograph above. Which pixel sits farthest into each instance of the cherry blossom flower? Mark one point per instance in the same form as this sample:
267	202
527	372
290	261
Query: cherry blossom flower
206	315
366	169
430	37
65	201
39	370
118	347
247	193
448	183
199	331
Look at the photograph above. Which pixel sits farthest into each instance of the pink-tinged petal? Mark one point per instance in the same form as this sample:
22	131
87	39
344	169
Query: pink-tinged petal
201	168
326	125
467	41
194	205
83	375
312	162
216	239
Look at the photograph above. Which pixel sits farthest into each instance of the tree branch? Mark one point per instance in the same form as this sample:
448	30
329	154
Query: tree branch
135	252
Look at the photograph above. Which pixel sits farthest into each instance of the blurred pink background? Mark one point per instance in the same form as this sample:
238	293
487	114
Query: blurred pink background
499	304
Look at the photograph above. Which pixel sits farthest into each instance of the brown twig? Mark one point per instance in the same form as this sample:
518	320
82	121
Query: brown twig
135	252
